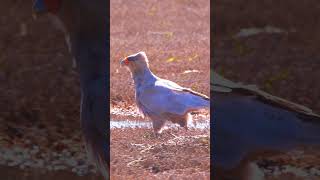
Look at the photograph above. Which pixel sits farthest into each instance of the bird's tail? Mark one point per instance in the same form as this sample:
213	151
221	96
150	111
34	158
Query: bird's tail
205	105
201	103
198	100
97	150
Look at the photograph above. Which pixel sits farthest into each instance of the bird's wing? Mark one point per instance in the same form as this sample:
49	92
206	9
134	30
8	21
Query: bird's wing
168	84
176	87
168	97
223	85
247	119
160	100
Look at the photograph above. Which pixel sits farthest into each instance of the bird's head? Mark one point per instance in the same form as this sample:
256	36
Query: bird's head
136	62
46	6
54	10
50	8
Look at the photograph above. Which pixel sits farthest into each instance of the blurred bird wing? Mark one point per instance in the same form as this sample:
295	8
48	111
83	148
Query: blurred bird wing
250	120
173	86
220	84
245	125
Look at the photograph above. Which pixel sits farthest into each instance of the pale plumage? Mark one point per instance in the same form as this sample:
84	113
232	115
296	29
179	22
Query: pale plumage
161	99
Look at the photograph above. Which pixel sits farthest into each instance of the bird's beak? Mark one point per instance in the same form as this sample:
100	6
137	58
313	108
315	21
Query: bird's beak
124	62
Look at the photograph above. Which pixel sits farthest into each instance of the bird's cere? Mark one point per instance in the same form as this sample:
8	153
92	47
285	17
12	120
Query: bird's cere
125	61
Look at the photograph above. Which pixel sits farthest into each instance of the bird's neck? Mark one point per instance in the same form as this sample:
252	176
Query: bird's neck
142	77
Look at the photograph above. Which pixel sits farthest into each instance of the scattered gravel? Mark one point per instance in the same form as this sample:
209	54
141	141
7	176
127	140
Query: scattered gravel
276	171
35	157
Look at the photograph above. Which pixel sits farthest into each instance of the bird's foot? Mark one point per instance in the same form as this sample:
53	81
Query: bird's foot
157	135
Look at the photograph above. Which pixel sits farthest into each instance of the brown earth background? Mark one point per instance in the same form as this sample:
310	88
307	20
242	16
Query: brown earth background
39	90
176	38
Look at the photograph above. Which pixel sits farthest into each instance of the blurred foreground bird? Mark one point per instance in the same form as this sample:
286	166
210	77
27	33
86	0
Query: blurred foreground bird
161	99
85	26
249	123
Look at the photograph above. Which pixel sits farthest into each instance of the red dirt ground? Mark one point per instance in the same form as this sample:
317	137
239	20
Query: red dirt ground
176	30
40	94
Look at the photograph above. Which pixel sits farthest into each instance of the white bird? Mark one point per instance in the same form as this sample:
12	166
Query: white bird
161	99
249	123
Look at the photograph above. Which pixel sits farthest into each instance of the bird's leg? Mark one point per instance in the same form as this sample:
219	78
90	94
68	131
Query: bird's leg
186	129
156	134
157	125
187	118
182	122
